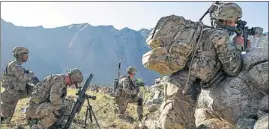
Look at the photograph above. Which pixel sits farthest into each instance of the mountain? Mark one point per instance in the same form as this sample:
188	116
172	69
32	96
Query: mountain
93	49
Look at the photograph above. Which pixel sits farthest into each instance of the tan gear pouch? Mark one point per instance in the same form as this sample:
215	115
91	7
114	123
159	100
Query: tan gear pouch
165	63
172	42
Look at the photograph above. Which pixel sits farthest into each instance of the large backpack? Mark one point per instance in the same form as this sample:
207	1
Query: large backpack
172	42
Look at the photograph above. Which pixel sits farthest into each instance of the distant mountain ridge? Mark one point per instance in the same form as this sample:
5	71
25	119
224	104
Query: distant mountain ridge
93	49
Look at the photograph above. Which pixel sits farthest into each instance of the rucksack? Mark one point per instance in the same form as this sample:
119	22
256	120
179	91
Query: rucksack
172	42
118	86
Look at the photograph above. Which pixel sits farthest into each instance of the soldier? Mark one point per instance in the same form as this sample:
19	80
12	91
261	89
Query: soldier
228	14
195	54
15	81
47	102
128	93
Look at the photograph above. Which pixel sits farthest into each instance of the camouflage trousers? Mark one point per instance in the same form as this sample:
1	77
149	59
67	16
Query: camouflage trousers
9	100
122	103
46	113
177	110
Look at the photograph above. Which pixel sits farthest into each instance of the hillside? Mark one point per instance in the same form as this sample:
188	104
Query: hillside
103	107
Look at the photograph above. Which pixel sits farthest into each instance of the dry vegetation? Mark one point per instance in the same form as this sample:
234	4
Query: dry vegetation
103	107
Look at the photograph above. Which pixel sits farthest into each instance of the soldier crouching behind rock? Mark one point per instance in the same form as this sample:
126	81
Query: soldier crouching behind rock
47	103
188	52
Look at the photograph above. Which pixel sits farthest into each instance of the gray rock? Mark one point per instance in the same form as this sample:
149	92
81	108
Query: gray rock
260	113
239	97
254	57
245	123
263	106
262	123
259	75
234	99
256	64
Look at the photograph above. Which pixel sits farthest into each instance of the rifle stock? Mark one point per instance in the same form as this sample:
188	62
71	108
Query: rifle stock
80	100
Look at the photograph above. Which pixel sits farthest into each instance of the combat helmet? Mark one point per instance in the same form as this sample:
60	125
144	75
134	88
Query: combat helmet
227	11
17	51
76	75
131	69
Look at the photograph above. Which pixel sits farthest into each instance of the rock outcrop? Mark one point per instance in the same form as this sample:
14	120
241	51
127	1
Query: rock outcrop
239	102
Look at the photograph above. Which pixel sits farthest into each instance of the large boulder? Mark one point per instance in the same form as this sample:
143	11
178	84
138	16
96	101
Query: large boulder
236	102
263	105
242	99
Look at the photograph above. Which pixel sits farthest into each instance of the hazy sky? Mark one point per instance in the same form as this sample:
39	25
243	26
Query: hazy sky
135	15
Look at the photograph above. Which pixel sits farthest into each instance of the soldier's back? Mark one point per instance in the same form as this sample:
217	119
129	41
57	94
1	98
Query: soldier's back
41	92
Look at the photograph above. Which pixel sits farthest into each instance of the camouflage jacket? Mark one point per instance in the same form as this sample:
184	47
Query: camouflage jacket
129	87
15	77
216	53
51	89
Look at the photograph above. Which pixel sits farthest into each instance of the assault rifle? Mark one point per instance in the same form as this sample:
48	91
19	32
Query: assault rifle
82	96
241	28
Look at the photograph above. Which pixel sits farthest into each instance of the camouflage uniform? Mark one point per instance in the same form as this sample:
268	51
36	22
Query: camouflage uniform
128	93
214	58
48	103
15	81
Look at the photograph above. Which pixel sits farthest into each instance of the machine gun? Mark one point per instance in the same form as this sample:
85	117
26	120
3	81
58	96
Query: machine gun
241	29
82	96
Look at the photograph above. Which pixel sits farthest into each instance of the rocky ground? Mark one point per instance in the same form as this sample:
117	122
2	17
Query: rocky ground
239	102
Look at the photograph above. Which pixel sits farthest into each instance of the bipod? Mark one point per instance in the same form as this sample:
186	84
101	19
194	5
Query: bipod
90	113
